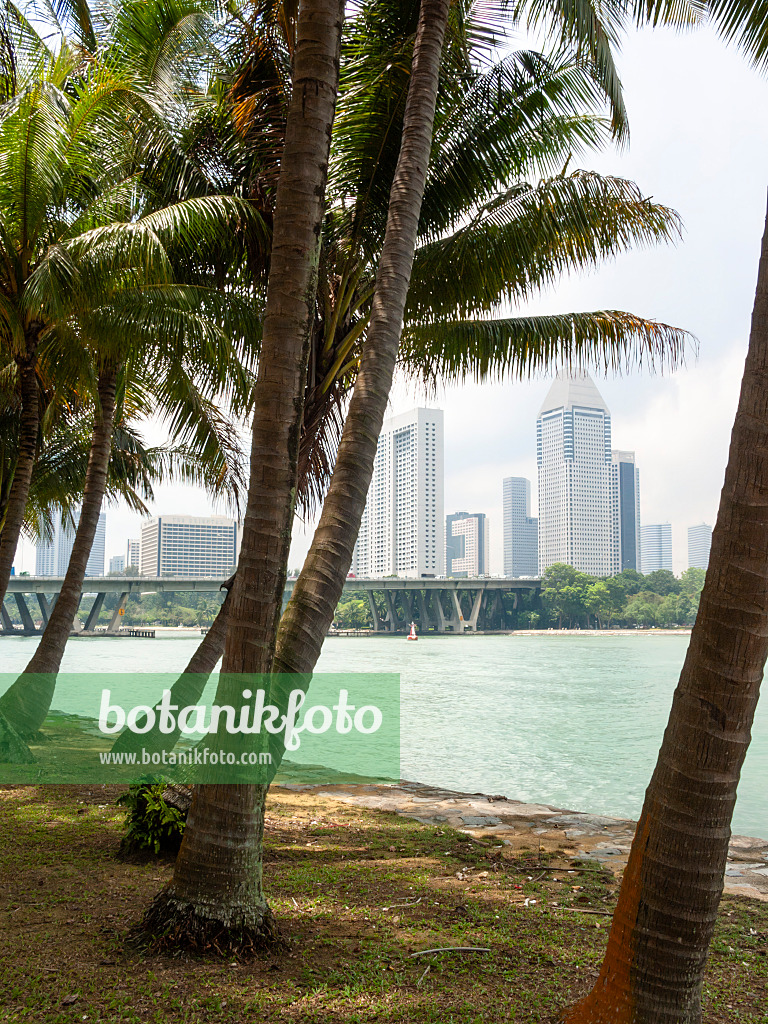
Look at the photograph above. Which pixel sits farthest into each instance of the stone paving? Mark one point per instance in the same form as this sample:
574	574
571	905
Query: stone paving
497	820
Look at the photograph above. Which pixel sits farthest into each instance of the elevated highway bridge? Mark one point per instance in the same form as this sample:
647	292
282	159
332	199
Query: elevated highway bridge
454	605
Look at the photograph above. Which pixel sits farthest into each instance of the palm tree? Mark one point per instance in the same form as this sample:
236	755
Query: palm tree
110	77
192	363
216	888
525	113
662	927
43	189
485	238
215	897
663	923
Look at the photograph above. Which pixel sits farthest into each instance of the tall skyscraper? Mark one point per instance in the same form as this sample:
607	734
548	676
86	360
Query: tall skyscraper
625	512
521	530
132	554
466	544
191	546
573	450
656	547
52	559
699	543
117	563
402	527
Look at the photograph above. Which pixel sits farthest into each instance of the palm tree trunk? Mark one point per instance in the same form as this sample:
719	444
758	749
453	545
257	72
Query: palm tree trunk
28	700
319	587
663	923
215	899
187	689
22	478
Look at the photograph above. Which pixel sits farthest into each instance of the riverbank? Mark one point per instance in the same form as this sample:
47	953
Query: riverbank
653	631
498	821
363	898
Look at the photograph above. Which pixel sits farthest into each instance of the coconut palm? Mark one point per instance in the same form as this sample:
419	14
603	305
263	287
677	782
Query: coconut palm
214	872
654	964
496	122
215	896
107	76
106	298
665	916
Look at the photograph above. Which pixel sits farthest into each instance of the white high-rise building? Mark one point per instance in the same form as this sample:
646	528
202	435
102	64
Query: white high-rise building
132	554
573	448
625	512
401	532
466	544
117	563
191	546
656	547
699	543
52	559
521	530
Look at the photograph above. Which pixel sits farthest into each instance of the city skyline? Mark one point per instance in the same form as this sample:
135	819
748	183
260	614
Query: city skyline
621	501
690	284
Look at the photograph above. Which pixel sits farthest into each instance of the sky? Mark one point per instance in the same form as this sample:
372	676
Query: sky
699	143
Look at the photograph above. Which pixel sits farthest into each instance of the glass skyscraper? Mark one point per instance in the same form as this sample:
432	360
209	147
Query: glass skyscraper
52	558
573	449
402	529
521	530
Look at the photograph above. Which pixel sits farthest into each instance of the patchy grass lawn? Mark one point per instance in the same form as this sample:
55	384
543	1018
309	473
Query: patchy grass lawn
356	893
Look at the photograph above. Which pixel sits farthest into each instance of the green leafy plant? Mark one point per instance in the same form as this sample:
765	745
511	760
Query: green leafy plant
152	824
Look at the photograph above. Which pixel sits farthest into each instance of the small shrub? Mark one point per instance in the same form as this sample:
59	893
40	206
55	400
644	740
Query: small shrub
153	826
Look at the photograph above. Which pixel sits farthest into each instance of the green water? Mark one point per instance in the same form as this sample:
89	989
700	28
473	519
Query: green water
572	721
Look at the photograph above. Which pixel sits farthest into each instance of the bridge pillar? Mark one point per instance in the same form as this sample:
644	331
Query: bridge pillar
380	625
457	621
26	619
425	620
7	624
93	614
475	613
45	608
114	622
392	617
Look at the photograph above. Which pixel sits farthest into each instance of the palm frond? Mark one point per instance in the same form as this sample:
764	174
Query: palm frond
528	237
519	347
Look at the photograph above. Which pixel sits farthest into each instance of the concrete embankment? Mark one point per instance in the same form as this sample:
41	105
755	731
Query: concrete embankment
496	820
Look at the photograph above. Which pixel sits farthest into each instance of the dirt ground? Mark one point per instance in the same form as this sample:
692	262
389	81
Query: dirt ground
359	894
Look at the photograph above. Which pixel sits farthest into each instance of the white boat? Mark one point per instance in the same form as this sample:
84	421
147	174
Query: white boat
412	634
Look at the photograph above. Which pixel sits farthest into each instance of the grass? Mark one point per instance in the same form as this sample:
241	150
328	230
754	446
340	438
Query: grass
356	893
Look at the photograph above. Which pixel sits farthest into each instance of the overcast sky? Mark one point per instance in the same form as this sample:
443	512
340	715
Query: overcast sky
699	143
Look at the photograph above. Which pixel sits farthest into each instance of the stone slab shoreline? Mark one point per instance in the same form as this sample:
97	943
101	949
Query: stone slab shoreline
497	821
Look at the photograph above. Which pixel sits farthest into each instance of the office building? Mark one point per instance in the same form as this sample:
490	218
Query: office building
191	546
624	491
401	532
699	543
466	544
573	451
521	530
117	563
132	554
655	547
52	557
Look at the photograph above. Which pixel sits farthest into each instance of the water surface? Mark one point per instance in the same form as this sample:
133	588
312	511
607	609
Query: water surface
569	720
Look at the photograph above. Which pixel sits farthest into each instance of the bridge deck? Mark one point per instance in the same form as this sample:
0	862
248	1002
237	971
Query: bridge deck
450	605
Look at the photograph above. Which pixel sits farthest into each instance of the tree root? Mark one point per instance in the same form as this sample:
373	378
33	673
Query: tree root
171	925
